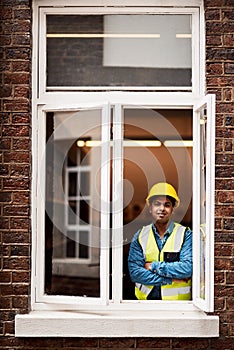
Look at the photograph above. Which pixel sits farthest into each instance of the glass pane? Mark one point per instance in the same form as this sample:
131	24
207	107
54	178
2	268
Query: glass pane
119	50
154	151
72	225
84	245
203	202
84	183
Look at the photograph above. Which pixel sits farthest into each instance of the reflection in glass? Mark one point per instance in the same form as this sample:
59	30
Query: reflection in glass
144	166
119	50
72	224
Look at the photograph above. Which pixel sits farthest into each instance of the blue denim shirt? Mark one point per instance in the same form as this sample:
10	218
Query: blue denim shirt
161	273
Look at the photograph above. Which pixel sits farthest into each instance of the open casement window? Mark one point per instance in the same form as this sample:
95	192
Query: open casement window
204	120
97	163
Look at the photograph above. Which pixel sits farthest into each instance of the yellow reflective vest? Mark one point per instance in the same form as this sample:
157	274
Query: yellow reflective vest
176	290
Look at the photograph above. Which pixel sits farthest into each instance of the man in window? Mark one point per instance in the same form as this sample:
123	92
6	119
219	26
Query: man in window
160	256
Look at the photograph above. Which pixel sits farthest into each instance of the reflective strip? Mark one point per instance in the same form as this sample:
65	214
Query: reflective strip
144	289
167	292
178	237
144	235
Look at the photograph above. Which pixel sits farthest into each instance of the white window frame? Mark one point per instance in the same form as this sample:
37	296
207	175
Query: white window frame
54	315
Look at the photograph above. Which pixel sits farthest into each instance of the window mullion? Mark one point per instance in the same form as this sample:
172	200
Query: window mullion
105	199
117	230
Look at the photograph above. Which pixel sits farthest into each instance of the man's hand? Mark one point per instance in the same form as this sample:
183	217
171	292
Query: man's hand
148	266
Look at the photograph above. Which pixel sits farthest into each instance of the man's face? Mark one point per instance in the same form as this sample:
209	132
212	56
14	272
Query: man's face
161	210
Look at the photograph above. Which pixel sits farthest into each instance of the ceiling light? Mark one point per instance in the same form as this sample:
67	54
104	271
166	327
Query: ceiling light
178	143
103	35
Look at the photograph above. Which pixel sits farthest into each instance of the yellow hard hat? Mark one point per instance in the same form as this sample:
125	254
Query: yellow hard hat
163	189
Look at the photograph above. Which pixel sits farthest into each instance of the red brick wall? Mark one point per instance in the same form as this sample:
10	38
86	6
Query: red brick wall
15	171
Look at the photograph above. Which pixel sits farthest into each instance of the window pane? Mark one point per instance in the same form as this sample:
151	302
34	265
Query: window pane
119	50
72	225
165	159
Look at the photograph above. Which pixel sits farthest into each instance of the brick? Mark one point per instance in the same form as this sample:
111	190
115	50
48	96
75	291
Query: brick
214	68
223	291
218	27
4	223
13	130
15	210
228	224
224	107
21	144
20	66
213	3
4	170
225	159
112	343
18	53
213	14
9	328
21	40
226	197
5	40
20	170
16	184
213	40
22	14
21	197
16	157
227	95
5	12
5	91
220	81
229	68
21	91
224	172
16	105
153	343
5	302
219	304
19	276
224	133
22	118
190	343
222	263
16	78
228	40
223	250
5	197
224	211
16	263
228	145
6	276
230	277
15	238
20	302
230	303
228	15
219	277
80	343
19	224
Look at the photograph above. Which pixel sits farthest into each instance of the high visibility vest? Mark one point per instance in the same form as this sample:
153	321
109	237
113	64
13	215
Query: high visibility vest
176	290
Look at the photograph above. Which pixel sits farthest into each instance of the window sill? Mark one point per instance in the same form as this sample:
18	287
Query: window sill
117	324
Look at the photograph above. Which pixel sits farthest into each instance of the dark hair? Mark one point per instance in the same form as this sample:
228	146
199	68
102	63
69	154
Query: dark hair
171	199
